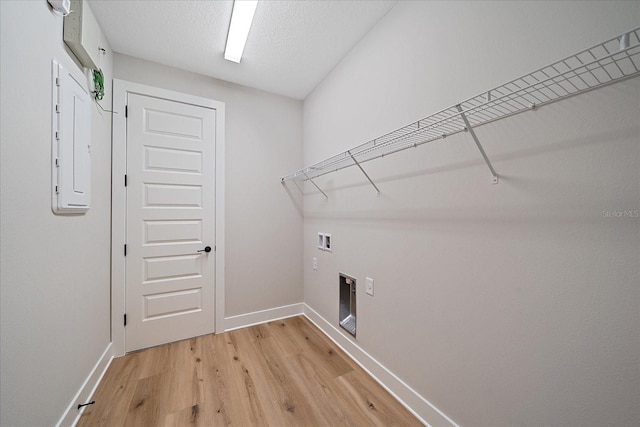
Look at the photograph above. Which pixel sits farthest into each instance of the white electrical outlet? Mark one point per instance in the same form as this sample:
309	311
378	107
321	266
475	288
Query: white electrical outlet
369	286
315	263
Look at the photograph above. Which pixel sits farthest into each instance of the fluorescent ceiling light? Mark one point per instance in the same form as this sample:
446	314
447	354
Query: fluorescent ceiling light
241	18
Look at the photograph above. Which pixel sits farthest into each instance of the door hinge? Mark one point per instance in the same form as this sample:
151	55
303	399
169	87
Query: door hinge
125	319
125	180
125	249
126	111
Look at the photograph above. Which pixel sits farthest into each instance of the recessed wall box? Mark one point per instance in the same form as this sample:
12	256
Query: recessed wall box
348	303
70	143
321	242
324	241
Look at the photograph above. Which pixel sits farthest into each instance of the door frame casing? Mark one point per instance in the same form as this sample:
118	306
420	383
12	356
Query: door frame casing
121	88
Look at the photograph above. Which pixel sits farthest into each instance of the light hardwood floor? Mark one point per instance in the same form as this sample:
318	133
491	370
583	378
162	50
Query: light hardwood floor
282	373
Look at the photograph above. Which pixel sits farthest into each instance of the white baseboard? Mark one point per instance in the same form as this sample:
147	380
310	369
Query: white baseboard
263	316
426	412
72	414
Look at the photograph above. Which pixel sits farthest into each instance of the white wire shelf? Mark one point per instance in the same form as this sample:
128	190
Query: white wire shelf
608	62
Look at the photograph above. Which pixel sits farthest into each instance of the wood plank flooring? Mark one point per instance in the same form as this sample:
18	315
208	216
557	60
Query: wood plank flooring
282	373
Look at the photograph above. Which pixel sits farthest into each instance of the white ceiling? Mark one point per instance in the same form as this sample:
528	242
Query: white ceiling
292	45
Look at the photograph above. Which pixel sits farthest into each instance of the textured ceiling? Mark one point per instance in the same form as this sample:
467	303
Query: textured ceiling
292	45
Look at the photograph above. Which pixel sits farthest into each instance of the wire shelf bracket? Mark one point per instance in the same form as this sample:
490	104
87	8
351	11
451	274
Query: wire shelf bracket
365	174
494	175
315	185
609	62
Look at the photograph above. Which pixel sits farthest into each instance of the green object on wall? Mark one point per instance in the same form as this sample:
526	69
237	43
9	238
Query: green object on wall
98	84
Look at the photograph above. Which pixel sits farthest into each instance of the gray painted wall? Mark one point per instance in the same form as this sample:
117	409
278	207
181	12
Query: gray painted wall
504	305
55	291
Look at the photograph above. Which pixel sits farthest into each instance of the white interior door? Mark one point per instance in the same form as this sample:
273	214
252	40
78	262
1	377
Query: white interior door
170	221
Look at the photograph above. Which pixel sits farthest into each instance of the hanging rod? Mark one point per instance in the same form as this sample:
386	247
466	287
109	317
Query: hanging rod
608	62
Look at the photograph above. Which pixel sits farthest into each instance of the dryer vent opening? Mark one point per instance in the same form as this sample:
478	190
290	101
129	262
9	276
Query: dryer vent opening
348	303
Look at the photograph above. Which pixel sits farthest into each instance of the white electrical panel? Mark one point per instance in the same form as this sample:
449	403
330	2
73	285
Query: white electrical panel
71	143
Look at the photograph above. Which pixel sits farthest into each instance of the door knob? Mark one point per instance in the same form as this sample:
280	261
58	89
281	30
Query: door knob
206	249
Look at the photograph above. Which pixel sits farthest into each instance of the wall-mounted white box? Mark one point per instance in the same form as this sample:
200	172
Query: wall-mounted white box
70	143
81	33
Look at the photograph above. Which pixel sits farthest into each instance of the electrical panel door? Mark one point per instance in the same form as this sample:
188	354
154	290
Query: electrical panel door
71	147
